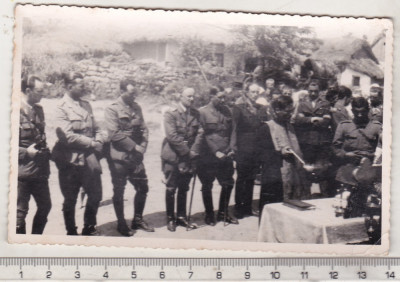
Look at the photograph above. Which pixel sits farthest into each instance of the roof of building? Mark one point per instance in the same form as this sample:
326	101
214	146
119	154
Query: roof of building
351	52
366	66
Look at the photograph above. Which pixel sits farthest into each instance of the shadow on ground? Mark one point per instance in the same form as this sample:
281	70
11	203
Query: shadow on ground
158	220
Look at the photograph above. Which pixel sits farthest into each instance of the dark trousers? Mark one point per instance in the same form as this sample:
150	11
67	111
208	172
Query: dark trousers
72	178
176	181
208	171
120	174
270	193
39	189
246	174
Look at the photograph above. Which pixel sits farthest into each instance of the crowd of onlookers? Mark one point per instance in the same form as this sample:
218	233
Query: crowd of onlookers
284	138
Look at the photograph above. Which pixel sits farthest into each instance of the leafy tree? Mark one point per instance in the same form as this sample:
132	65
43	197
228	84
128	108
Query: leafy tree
276	48
280	46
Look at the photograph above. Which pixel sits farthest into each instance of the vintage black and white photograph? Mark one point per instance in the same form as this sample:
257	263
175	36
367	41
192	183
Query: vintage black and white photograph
214	130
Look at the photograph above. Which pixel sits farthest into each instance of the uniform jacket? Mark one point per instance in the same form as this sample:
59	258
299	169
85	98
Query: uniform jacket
31	131
349	138
246	122
76	129
183	133
308	132
126	129
217	125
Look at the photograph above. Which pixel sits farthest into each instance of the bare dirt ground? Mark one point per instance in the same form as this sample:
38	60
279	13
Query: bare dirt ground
154	212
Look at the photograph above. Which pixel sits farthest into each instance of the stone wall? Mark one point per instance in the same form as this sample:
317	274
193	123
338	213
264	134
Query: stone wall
104	75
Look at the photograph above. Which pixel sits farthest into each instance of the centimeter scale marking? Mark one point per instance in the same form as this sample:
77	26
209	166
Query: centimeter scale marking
83	268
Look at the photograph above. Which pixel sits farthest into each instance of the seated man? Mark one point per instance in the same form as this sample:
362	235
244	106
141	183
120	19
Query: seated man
354	144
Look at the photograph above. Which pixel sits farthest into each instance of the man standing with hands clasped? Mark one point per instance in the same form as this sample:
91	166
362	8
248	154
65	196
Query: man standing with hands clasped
216	156
183	137
128	135
313	128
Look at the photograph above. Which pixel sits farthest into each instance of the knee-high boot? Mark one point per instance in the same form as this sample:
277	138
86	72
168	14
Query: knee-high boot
208	205
170	208
223	213
181	203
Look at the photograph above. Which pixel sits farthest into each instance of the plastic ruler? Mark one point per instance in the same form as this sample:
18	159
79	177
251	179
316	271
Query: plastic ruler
207	269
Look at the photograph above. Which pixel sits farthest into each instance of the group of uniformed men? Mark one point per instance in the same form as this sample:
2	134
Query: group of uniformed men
263	132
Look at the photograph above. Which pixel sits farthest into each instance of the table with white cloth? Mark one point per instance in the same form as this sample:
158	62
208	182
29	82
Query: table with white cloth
283	224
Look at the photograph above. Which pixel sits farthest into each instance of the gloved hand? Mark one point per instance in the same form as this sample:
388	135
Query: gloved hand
317	121
184	167
135	158
32	151
140	149
286	151
353	156
97	146
287	154
221	156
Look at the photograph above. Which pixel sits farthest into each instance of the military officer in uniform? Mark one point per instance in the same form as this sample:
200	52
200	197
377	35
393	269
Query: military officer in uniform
247	117
33	158
183	138
354	143
215	160
128	135
76	154
312	125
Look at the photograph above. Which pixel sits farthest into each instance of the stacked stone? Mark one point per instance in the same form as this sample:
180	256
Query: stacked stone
103	75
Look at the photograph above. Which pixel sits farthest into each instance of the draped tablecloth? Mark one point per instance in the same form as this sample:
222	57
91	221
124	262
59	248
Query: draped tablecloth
283	224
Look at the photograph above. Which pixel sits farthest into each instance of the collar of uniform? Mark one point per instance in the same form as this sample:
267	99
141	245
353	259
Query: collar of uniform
339	103
68	99
181	108
24	103
77	106
121	101
211	106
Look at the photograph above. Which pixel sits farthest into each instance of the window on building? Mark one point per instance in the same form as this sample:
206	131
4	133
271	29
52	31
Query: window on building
356	80
219	58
